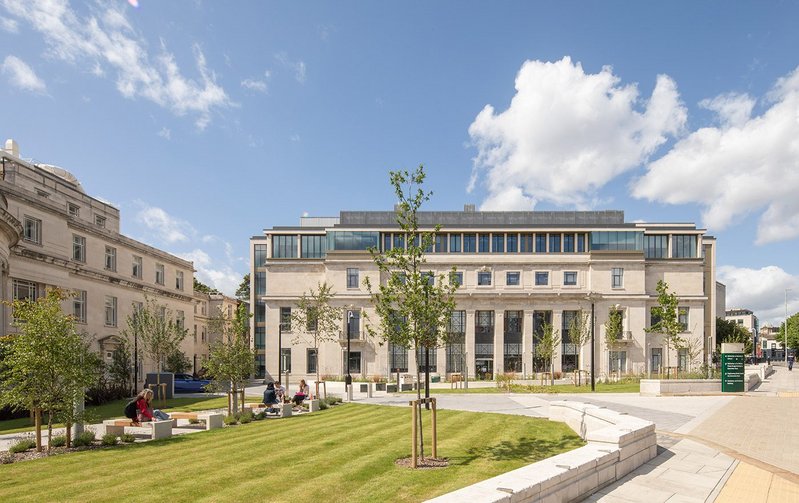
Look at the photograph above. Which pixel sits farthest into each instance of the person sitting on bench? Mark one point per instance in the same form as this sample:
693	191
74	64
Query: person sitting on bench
145	411
270	397
302	393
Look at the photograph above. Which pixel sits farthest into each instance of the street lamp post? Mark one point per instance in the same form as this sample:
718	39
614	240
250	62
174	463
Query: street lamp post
348	380
280	349
593	371
785	339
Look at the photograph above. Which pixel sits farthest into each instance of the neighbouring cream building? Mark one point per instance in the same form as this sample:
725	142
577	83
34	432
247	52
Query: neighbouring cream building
56	235
747	319
204	332
517	270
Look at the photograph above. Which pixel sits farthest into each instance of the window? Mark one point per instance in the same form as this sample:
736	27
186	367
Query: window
456	343
526	243
483	278
570	278
683	246
580	243
110	258
618	361
617	280
180	319
284	246
456	278
656	246
137	267
260	337
310	361
32	230
512	278
513	341
554	243
42	193
483	243
484	334
312	320
353	324
99	220
24	290
354	366
285	319
498	243
352	278
513	243
441	243
654	319
110	311
469	241
397	358
682	318
79	306
617	240
259	255
421	355
311	247
682	359
285	356
540	243
351	240
541	278
78	248
260	283
429	278
260	312
179	280
568	243
73	209
159	274
399	241
386	241
454	243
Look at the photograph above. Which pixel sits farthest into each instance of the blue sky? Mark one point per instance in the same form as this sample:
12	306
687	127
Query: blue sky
205	123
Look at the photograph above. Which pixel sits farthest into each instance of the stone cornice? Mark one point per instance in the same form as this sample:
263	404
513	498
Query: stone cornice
11	227
81	270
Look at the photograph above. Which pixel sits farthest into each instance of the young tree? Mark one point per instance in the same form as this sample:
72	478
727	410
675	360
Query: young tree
729	331
793	333
158	332
315	321
667	315
694	348
579	334
547	346
231	361
48	364
243	291
613	330
177	362
121	365
414	307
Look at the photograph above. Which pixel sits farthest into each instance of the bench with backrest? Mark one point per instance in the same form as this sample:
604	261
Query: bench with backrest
158	429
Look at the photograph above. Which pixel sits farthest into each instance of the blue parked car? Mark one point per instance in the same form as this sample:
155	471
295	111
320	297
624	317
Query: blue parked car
186	383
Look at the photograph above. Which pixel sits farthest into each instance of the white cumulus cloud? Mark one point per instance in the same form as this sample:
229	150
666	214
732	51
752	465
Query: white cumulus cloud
220	276
743	165
106	40
22	76
567	133
164	226
761	290
9	25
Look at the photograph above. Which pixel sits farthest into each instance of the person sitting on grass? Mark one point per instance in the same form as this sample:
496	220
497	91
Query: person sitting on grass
145	411
301	394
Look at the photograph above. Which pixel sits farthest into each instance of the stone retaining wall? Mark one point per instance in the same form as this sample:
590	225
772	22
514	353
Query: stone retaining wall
666	387
617	444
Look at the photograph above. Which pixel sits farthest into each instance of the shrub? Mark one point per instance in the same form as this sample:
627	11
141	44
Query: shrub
6	458
245	417
59	441
505	380
378	379
261	415
194	421
128	438
231	419
109	439
22	446
323	405
83	439
557	375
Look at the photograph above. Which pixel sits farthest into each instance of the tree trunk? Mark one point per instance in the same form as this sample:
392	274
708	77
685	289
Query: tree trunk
235	389
37	420
49	429
69	435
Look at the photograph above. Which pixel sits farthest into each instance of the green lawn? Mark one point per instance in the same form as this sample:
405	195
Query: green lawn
343	454
116	408
616	387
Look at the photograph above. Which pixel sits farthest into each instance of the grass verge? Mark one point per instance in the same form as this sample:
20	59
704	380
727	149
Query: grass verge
346	453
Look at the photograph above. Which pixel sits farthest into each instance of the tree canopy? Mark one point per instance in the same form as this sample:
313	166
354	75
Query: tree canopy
666	319
730	331
793	332
243	291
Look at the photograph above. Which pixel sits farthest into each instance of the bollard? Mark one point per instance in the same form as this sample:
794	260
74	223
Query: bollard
370	390
349	392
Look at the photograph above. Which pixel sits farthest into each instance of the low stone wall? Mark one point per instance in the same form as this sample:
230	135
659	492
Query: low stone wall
617	444
666	387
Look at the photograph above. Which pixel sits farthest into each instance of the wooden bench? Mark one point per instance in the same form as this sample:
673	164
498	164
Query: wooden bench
213	420
159	429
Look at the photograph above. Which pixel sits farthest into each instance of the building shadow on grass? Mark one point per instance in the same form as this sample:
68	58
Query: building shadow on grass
523	449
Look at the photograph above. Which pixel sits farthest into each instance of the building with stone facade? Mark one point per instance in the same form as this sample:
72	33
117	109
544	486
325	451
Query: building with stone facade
747	319
517	271
54	234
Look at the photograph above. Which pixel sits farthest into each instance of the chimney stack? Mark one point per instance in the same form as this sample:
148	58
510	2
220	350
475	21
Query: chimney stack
12	147
468	208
